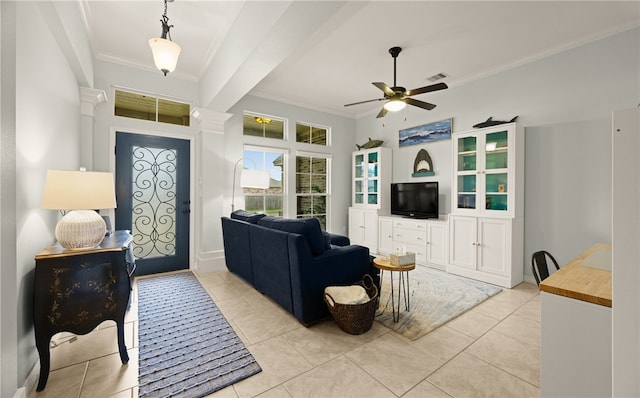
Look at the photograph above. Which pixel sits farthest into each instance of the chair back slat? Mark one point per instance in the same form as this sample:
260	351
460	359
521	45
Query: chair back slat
539	265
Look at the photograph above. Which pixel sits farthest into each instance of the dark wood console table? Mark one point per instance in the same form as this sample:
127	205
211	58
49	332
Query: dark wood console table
76	290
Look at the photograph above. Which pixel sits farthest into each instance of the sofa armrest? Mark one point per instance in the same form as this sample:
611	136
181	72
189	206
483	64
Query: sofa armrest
337	240
310	275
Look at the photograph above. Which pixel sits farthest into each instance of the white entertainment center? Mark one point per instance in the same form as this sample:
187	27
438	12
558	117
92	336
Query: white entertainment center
482	238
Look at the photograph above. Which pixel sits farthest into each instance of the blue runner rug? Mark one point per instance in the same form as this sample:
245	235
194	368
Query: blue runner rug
187	347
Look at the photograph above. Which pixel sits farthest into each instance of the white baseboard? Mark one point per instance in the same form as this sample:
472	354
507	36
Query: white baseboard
211	261
30	383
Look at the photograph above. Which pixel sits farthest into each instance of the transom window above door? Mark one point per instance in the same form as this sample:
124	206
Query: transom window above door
152	108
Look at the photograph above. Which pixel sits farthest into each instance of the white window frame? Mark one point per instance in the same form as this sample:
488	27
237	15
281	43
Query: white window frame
317	126
328	157
157	98
285	172
285	124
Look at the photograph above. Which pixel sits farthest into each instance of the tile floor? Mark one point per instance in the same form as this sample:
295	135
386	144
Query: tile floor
491	350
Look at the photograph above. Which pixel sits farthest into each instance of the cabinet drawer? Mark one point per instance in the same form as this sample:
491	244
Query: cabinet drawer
410	236
410	224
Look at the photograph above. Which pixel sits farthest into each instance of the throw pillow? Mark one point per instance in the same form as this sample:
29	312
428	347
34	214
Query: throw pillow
246	216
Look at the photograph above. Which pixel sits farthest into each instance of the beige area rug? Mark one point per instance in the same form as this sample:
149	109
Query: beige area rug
436	297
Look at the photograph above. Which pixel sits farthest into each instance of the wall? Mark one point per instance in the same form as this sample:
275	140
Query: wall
46	135
8	310
565	103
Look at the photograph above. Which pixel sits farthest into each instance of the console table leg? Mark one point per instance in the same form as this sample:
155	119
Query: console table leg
42	344
122	347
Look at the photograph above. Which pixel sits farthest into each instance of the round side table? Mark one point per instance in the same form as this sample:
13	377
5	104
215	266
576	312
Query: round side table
383	264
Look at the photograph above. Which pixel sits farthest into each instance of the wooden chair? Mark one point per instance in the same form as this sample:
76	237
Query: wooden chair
540	266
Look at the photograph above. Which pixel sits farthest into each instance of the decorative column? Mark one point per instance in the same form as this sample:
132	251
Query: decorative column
210	187
89	98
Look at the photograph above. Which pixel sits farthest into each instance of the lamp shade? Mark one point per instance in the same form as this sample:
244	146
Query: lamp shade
81	192
394	105
165	54
78	190
250	178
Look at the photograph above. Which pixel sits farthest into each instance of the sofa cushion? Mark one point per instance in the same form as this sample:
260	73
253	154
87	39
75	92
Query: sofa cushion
307	227
246	216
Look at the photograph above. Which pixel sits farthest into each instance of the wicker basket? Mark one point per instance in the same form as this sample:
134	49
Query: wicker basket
355	318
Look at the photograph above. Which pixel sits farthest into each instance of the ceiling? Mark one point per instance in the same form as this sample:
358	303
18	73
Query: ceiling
324	54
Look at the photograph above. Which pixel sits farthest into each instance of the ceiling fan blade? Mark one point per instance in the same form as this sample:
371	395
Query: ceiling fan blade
382	112
388	91
427	89
364	102
420	104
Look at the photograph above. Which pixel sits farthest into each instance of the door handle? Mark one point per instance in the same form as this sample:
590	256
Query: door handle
188	209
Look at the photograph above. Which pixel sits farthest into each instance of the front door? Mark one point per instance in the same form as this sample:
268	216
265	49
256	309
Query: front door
152	193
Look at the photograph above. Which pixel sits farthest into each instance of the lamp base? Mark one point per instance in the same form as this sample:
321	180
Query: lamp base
80	229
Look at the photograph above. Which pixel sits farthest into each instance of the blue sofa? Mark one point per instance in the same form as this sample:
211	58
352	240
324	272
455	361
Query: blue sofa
292	260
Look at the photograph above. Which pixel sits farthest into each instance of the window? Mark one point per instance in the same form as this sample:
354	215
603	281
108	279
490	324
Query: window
263	126
148	107
269	201
312	174
311	134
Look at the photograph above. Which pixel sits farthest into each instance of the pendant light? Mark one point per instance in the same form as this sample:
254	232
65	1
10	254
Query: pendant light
165	52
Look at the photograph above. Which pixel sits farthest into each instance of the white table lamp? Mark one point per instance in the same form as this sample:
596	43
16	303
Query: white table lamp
81	194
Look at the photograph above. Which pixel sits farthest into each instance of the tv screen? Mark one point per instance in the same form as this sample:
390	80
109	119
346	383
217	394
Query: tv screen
415	199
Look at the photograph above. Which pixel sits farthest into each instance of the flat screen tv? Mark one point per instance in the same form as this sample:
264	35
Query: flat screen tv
415	199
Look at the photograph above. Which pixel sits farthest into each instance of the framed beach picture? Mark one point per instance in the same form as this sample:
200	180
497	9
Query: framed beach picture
426	133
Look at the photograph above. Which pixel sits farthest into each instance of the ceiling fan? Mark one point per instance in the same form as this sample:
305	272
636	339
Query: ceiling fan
397	97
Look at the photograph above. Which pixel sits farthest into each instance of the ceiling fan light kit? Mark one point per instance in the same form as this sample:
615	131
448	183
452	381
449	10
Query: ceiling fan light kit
398	97
165	51
395	105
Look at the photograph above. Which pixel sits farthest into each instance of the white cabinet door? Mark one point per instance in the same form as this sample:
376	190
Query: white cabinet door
371	178
371	230
363	228
437	243
356	226
488	171
494	249
463	241
385	235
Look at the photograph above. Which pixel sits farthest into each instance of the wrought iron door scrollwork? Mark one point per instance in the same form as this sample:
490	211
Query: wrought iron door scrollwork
154	201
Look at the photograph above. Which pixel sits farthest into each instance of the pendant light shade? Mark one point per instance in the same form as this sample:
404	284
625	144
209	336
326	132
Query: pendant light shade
165	52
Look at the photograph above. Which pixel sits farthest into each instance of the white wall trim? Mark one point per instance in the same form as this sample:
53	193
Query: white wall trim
89	98
210	121
211	261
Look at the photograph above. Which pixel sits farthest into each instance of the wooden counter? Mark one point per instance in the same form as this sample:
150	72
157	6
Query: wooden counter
586	278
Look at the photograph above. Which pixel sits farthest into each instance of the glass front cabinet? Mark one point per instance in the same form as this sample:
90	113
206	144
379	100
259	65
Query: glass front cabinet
486	163
371	178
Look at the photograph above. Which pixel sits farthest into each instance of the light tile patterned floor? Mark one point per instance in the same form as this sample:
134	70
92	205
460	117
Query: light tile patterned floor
491	350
